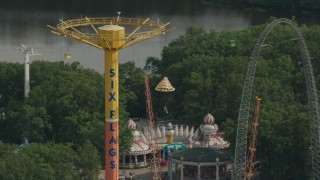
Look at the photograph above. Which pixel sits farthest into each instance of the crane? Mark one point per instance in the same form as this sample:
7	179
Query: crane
155	163
251	158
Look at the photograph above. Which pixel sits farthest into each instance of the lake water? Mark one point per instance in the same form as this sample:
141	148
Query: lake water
29	27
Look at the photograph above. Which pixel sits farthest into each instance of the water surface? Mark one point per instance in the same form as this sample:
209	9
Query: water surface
29	27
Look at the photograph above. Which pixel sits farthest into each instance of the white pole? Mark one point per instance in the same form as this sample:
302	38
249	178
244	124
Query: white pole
27	52
217	169
181	176
26	76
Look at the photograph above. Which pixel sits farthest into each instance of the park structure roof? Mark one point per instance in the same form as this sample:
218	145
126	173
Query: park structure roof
202	156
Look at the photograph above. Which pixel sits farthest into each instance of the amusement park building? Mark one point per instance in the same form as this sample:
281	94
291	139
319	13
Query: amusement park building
206	154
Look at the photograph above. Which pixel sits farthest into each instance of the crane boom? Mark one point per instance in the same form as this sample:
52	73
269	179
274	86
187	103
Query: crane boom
155	163
251	158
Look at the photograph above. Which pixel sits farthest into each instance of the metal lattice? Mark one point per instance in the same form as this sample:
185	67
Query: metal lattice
155	160
241	141
199	172
251	159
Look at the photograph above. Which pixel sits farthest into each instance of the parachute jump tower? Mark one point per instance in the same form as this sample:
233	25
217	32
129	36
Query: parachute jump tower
110	36
251	158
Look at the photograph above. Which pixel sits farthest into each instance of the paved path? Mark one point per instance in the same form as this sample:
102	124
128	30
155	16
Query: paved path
144	173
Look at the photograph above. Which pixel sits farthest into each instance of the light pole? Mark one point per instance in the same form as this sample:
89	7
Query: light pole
27	52
170	165
217	169
182	159
199	171
1	109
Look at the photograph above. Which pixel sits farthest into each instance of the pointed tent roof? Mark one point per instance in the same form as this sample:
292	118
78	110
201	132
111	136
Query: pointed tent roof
165	86
132	124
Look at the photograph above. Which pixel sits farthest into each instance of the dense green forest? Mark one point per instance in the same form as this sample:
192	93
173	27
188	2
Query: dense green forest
65	106
208	71
159	5
64	113
49	161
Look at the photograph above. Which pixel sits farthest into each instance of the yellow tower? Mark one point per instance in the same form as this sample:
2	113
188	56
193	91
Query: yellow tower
110	36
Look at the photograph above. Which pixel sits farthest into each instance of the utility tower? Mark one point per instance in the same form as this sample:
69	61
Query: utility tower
251	158
110	36
27	52
155	162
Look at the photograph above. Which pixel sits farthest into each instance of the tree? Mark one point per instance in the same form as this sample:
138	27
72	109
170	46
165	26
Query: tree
61	157
66	104
132	80
208	75
89	161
